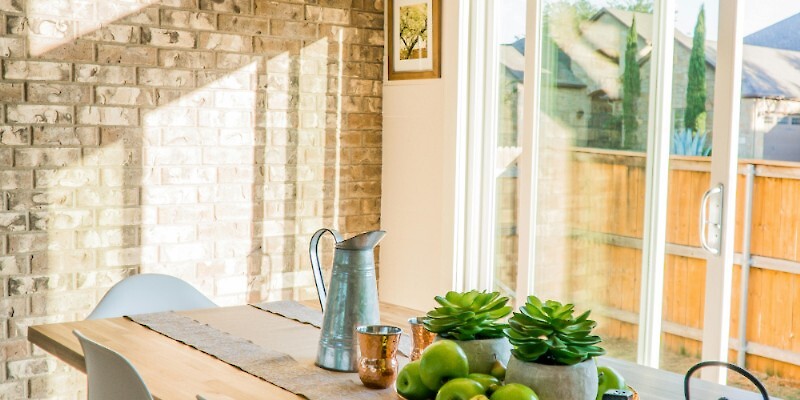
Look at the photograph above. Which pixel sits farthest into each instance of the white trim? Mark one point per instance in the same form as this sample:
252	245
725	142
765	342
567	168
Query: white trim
724	164
461	156
488	145
528	160
474	165
656	185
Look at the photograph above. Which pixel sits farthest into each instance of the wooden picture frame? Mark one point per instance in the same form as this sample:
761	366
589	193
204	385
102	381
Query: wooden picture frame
414	43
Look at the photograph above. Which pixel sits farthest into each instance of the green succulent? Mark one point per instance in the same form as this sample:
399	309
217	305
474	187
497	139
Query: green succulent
468	316
549	334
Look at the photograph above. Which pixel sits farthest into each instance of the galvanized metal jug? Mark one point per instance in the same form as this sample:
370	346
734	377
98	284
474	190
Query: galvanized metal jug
350	301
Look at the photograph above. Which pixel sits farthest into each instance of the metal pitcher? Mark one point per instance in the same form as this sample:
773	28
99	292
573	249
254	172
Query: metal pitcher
351	299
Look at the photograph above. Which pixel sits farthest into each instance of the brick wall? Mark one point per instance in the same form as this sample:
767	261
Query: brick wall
206	139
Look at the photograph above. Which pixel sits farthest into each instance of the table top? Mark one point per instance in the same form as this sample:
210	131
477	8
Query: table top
172	370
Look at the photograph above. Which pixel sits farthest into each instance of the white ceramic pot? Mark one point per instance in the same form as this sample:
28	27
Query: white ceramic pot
555	382
482	353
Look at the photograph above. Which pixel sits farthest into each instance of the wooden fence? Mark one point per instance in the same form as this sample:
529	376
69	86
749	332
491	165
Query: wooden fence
607	221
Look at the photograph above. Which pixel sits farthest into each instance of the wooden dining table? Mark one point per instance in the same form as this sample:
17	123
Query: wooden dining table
173	370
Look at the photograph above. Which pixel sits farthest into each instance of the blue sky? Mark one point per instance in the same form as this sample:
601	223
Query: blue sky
758	14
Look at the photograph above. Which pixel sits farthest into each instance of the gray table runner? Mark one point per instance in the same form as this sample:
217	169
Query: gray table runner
300	313
272	366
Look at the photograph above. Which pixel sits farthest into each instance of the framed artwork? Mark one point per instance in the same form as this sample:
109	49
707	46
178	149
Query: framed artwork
414	39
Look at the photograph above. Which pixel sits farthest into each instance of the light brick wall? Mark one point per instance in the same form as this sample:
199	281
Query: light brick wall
206	139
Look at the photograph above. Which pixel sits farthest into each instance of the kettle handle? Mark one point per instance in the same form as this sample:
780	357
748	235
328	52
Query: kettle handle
315	267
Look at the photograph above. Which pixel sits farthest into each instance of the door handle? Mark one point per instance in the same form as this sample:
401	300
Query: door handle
711	227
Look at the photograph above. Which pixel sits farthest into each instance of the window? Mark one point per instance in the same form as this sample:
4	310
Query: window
601	152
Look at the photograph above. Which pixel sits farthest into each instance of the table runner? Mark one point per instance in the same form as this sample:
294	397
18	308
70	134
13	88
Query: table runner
270	365
306	315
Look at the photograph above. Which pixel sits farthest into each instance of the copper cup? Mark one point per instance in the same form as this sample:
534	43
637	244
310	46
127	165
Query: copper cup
377	363
420	337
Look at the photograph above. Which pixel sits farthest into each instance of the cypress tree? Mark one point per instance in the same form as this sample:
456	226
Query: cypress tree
694	117
631	90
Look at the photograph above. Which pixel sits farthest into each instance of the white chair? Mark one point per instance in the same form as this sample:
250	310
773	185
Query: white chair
148	293
110	375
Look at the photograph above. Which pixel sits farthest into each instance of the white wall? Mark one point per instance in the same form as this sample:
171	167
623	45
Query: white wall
419	186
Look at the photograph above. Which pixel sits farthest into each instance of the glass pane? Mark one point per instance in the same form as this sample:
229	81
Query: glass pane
689	177
510	30
591	162
769	141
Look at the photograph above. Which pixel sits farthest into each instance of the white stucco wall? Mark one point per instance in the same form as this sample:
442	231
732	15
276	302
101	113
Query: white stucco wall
419	187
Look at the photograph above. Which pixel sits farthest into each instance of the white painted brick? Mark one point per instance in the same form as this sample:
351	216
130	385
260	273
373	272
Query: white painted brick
92	73
168	38
158	156
169	195
188	19
117	95
12	47
100	115
61	219
36	70
39	114
168	78
184	252
65	177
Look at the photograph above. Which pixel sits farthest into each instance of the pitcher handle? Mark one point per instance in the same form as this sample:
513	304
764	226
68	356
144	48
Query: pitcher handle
315	267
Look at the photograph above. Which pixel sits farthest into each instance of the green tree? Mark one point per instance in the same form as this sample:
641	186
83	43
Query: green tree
642	6
413	29
582	9
694	117
631	90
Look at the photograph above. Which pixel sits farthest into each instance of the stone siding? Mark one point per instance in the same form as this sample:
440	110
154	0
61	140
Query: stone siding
206	139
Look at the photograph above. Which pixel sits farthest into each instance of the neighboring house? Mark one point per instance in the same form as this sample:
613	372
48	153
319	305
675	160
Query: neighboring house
589	87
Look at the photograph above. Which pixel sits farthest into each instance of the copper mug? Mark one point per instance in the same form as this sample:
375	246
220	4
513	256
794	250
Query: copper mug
377	364
420	336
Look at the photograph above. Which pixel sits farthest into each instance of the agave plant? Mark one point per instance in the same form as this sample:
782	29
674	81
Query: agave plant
547	333
468	316
688	143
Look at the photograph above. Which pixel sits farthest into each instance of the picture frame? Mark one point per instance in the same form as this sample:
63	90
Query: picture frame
414	39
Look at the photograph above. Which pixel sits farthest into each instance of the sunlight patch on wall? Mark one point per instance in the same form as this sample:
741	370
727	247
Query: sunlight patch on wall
60	26
198	202
298	121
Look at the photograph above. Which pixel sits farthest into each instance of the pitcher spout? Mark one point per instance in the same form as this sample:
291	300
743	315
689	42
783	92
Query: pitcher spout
363	241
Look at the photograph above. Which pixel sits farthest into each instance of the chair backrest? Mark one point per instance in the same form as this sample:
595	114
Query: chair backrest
147	293
110	375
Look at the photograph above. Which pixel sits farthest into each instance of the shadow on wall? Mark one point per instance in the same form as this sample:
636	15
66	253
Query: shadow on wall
206	150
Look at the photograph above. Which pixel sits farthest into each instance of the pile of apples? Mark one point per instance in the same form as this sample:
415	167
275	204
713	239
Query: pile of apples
443	373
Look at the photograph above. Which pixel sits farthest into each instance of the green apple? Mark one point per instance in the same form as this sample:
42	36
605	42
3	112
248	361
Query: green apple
489	382
480	397
442	361
514	391
460	389
498	370
608	378
409	384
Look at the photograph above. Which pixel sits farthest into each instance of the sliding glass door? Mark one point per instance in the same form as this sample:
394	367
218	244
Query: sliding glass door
608	125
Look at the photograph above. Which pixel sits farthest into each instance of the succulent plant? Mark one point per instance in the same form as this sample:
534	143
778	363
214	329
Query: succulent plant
547	333
468	316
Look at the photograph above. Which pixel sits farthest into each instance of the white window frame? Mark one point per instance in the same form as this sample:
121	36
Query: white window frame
479	219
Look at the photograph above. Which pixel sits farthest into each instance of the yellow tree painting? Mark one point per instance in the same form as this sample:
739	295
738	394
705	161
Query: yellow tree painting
414	31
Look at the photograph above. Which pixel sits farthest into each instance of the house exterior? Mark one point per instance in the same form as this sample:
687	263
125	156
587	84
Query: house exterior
589	63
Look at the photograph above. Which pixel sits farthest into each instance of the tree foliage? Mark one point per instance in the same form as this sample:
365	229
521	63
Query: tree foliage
631	90
585	9
413	28
642	6
694	117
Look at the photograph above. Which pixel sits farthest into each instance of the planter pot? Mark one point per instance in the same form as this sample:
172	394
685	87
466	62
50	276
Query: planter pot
482	353
555	382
